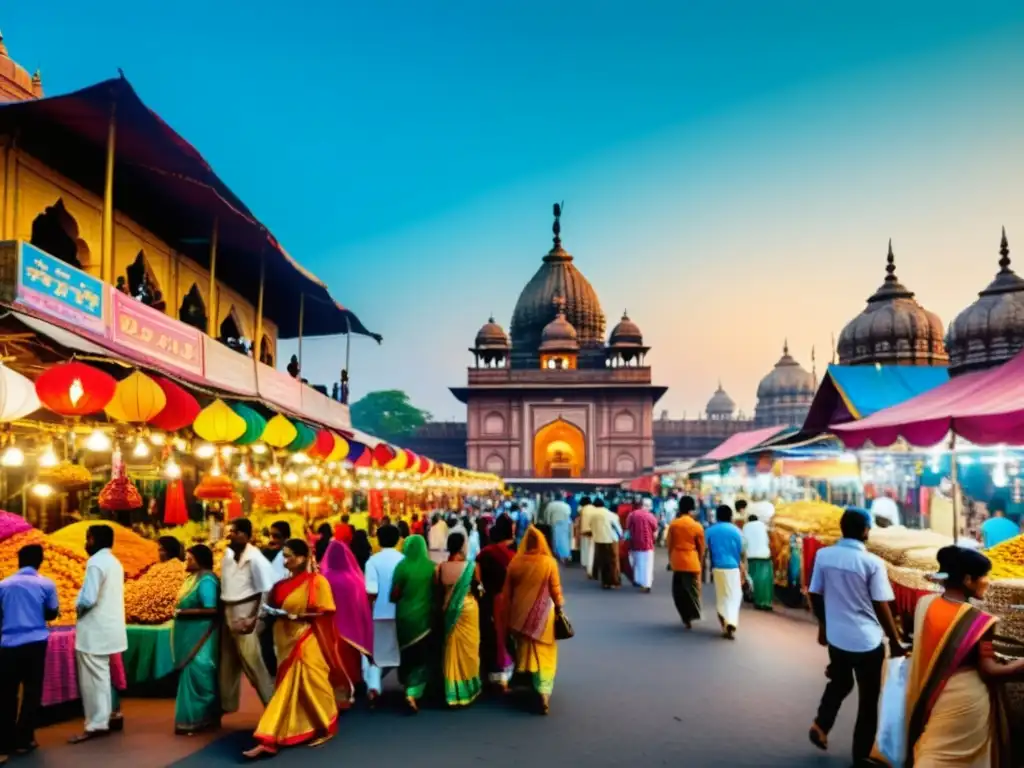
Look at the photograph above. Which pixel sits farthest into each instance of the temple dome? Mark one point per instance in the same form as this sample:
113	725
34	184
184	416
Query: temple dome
535	309
491	336
16	84
559	335
991	330
626	334
893	329
721	406
787	379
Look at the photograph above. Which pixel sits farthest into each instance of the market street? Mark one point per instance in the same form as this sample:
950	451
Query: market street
633	688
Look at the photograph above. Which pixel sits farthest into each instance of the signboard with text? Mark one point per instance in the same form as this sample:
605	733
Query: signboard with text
55	289
155	335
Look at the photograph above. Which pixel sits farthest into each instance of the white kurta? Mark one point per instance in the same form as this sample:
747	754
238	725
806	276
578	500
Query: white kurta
728	595
100	633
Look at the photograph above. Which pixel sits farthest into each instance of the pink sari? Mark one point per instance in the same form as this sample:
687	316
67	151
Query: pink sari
353	619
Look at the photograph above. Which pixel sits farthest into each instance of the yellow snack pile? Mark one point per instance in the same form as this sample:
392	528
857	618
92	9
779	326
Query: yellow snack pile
1007	559
66	568
152	598
135	553
816	518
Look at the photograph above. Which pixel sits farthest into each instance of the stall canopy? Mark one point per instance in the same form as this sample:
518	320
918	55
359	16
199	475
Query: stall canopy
851	392
164	184
745	442
984	408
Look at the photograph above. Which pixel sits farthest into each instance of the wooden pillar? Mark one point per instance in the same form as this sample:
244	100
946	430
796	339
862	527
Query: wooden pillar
302	317
259	307
107	228
213	312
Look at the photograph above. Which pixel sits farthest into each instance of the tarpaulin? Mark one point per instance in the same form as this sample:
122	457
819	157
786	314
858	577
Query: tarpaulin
743	442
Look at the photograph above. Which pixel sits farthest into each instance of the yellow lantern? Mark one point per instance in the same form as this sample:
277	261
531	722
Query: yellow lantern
279	432
340	450
218	423
137	399
398	463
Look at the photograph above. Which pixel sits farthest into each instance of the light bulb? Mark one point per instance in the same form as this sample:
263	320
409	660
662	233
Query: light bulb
158	438
141	449
258	448
348	482
301	458
255	483
274	470
215	470
172	470
98	441
226	451
42	490
243	472
291	478
12	457
205	451
48	458
180	444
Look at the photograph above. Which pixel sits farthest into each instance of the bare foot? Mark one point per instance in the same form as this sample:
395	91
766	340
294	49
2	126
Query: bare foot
411	703
258	753
320	742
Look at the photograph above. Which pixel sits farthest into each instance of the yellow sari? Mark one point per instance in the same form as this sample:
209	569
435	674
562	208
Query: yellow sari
461	666
533	587
303	707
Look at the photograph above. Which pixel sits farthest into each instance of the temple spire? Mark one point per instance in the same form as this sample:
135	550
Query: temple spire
785	347
1004	253
890	265
557	226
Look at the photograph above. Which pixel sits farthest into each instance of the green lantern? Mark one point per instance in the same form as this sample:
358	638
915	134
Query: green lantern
304	438
254	424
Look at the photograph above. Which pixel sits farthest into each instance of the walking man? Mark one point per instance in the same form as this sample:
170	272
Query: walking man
27	602
850	593
642	527
759	562
380	573
728	569
607	531
685	542
587	513
100	632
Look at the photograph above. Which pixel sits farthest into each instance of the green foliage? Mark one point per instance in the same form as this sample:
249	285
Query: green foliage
388	414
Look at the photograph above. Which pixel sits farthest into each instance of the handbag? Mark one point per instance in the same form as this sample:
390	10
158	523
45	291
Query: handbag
563	629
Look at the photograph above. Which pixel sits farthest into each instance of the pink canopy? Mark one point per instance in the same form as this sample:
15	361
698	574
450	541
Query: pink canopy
742	442
985	408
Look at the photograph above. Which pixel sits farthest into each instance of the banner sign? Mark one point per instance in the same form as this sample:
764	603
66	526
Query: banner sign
48	285
279	388
154	334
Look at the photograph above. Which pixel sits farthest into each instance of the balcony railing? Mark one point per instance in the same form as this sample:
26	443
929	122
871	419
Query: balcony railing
499	376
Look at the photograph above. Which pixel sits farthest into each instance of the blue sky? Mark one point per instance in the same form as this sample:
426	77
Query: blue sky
732	171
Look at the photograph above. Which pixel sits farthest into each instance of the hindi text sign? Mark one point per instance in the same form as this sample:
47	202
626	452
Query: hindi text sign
155	335
48	285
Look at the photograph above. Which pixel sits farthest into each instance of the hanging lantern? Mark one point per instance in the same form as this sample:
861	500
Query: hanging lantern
181	409
398	463
214	487
323	444
356	451
255	425
18	396
383	454
137	399
279	432
364	459
175	509
304	437
233	510
340	450
217	423
269	497
75	389
120	494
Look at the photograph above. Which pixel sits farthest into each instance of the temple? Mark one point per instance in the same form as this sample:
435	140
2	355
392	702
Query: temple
16	84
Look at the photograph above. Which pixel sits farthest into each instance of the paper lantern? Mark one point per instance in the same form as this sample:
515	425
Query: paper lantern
399	462
268	497
120	494
305	436
214	488
364	459
356	450
75	389
323	444
383	454
217	423
234	508
255	424
18	396
340	450
279	432
137	399
175	509
181	409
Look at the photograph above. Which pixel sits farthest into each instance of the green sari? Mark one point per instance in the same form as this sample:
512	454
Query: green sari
414	580
195	647
461	665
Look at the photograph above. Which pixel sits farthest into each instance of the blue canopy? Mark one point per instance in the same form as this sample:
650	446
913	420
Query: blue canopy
852	392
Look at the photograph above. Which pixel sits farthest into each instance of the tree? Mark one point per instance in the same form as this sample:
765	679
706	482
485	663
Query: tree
388	414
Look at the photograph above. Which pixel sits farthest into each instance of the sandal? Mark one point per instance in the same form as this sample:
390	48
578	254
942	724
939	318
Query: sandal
87	736
320	742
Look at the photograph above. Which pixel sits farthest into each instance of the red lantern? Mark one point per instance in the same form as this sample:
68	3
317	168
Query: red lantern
322	446
234	508
214	488
181	409
175	510
422	464
75	389
382	454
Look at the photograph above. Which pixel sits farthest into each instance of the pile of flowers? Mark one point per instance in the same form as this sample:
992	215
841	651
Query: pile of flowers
135	552
151	598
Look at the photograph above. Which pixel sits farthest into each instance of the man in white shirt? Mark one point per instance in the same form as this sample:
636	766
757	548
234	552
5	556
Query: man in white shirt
101	630
607	533
759	562
437	539
280	532
587	513
245	578
380	572
885	509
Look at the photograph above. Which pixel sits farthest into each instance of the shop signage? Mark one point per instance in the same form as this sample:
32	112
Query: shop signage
155	335
279	387
55	289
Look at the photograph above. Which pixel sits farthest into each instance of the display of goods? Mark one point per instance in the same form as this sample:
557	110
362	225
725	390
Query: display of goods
152	598
814	518
214	488
911	578
11	524
188	534
135	553
120	493
268	497
924	559
1007	559
893	544
67	475
262	522
1002	600
66	568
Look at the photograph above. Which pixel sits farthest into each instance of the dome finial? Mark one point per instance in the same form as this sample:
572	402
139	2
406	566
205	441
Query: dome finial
490	318
557	226
890	265
785	347
1004	253
559	300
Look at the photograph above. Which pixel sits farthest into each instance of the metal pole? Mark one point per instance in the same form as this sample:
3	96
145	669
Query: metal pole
348	344
259	312
213	314
107	224
953	479
302	315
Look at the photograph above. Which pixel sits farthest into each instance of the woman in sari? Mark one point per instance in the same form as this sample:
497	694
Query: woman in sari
493	562
303	709
457	581
954	715
533	594
361	548
195	647
353	618
412	592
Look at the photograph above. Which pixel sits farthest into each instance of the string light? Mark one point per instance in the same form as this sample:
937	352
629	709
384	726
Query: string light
98	441
48	458
42	490
205	451
301	458
12	456
258	448
291	478
141	449
180	444
158	438
171	469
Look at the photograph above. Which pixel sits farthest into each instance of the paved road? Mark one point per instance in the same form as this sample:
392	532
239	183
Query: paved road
633	688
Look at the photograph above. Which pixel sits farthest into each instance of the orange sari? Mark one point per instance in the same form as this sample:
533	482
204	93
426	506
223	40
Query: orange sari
303	707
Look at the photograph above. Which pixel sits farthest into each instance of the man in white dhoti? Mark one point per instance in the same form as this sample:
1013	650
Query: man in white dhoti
587	514
246	577
100	632
380	572
437	539
725	543
642	527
